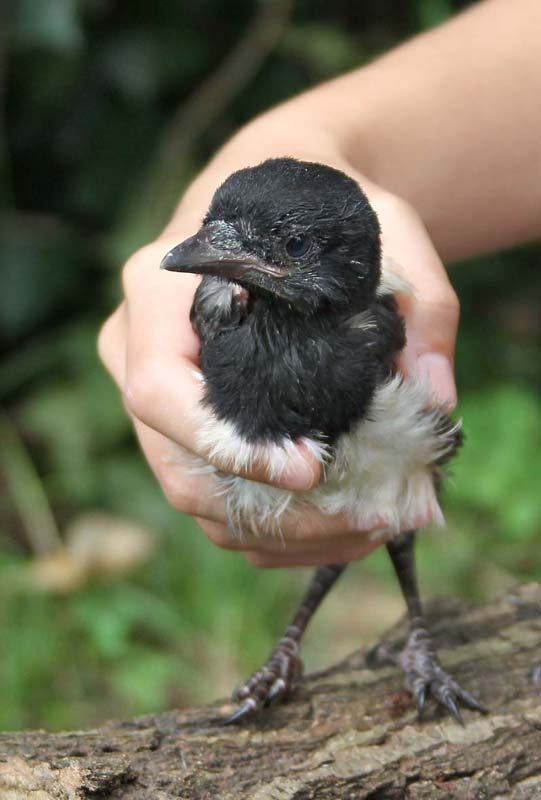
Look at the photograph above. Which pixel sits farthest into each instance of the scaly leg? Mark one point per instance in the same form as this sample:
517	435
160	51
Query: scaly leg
418	658
283	669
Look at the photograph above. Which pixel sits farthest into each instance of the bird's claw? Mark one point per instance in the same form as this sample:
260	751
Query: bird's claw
424	675
244	710
420	697
271	684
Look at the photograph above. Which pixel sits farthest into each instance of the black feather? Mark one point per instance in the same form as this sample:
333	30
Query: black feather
282	374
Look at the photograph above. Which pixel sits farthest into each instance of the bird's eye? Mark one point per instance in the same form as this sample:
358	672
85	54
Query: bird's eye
297	246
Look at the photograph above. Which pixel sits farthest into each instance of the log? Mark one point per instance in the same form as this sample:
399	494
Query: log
349	732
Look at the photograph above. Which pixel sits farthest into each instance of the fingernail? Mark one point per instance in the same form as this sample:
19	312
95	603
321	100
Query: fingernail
298	475
439	372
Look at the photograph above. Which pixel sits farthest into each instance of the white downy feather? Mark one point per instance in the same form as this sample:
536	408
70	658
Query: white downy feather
380	476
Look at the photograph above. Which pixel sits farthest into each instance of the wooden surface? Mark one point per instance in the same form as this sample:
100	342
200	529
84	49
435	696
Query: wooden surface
348	733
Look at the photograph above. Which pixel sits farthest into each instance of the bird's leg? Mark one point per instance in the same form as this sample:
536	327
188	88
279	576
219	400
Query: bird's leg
283	669
418	657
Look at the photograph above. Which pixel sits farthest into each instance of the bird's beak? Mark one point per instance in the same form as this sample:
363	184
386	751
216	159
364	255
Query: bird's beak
200	256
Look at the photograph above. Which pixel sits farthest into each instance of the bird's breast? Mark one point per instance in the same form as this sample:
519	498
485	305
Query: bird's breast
380	474
273	379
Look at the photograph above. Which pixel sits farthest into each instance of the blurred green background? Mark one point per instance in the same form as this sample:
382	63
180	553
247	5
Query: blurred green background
106	111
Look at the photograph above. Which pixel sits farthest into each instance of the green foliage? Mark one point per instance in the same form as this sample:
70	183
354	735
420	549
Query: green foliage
90	90
55	27
40	273
433	12
165	635
503	463
325	50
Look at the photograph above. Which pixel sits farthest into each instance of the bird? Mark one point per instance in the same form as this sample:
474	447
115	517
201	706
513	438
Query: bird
298	319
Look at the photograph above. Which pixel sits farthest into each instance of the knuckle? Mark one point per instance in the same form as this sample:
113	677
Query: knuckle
454	305
259	560
141	391
176	490
442	305
110	344
391	207
222	538
137	264
218	534
102	342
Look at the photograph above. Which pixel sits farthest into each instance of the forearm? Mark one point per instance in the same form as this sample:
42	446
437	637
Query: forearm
449	121
453	125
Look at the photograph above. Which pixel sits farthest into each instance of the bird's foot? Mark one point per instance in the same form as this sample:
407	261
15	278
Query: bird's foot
271	684
424	675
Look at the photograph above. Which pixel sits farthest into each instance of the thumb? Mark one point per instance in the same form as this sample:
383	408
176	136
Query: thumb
429	353
431	310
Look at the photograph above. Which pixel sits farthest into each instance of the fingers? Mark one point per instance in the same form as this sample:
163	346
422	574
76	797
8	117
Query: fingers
432	313
186	490
185	487
304	539
331	553
273	552
149	347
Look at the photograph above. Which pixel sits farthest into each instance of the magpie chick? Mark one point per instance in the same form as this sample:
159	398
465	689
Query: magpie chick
300	331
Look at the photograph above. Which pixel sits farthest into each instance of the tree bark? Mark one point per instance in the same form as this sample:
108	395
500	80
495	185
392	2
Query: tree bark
349	732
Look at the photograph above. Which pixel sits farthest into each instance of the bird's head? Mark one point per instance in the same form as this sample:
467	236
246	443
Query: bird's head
289	231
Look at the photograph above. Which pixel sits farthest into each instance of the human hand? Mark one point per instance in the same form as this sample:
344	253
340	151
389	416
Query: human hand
150	349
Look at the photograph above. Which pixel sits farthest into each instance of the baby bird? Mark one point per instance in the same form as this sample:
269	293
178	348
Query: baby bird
300	331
